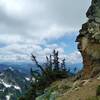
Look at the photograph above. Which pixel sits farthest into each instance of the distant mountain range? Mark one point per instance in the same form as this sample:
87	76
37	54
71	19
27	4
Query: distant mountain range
12	84
72	67
14	78
24	67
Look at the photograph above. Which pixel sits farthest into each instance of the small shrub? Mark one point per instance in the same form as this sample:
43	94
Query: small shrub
47	73
94	98
98	91
66	87
21	98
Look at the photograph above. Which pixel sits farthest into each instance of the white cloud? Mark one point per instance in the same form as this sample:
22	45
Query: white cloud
47	17
74	57
56	31
8	39
23	52
20	8
25	25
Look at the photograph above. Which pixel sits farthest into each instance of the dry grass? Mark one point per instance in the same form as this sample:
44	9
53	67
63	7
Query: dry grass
83	92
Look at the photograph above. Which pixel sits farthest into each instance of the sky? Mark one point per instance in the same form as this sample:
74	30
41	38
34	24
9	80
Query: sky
39	26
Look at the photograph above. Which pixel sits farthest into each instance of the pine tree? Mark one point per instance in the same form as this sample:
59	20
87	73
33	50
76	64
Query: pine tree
56	60
63	65
38	65
52	72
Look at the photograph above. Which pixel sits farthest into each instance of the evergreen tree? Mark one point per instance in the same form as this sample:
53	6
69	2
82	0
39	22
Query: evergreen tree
56	60
63	65
46	75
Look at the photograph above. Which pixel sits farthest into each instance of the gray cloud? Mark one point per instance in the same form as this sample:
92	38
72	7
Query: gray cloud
40	16
24	22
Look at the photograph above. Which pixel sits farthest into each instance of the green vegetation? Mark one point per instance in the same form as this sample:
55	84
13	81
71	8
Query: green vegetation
94	98
98	91
97	97
49	72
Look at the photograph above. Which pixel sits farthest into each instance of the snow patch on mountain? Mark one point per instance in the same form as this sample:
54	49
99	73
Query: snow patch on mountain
11	68
12	83
17	87
28	79
7	97
6	85
1	74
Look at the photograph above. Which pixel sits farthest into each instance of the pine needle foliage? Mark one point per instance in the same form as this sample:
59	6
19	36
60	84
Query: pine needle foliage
51	71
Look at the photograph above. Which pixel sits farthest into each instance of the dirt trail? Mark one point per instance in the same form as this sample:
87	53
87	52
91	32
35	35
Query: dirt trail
88	89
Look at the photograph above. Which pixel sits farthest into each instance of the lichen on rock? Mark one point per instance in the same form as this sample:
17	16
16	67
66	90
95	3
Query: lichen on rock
89	41
93	12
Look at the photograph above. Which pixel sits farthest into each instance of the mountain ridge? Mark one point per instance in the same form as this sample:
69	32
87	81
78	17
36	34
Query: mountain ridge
12	84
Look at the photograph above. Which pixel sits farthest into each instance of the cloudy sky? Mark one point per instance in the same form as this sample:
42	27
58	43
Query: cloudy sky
39	26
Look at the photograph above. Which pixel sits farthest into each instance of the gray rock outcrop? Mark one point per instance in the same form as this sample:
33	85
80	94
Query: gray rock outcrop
89	41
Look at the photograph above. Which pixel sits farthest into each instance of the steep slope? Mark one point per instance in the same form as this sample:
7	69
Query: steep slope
81	90
84	90
67	89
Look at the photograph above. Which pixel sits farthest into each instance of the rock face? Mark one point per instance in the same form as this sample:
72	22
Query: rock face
89	41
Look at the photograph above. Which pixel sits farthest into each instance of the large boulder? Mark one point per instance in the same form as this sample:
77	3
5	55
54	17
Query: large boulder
89	41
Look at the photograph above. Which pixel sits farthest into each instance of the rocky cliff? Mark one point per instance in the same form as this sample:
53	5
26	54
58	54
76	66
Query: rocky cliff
89	41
